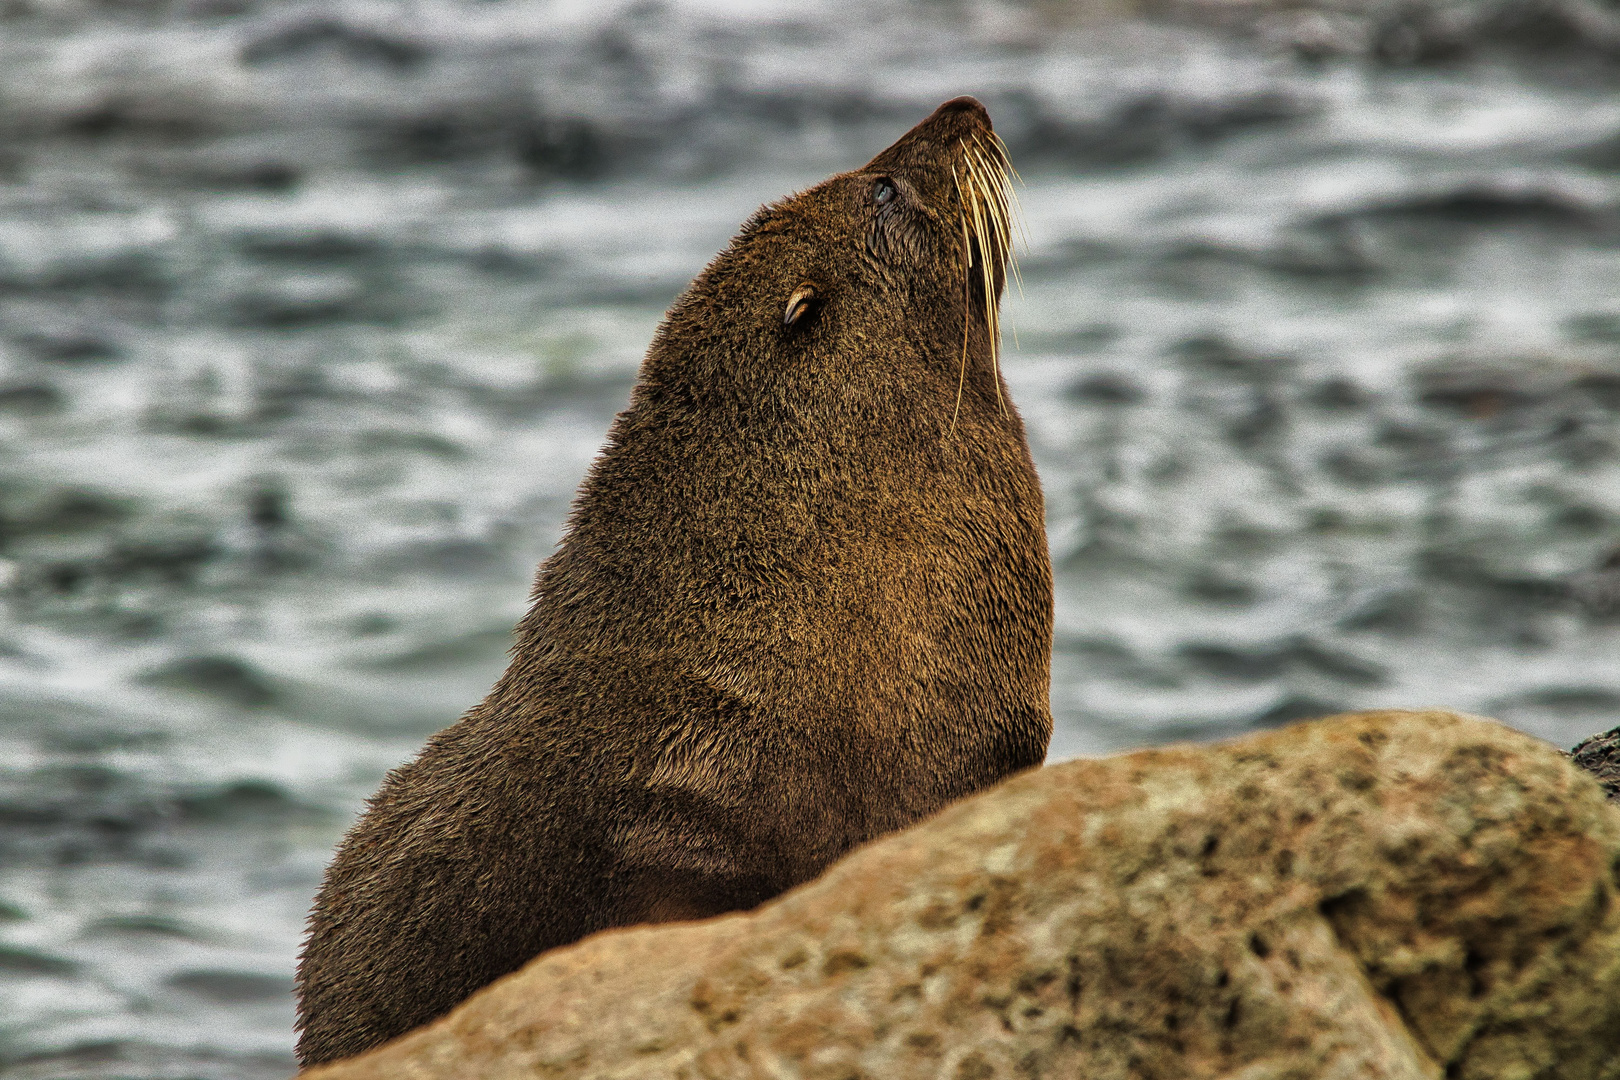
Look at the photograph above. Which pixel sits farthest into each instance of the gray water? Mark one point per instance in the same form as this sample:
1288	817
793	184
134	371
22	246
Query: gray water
312	316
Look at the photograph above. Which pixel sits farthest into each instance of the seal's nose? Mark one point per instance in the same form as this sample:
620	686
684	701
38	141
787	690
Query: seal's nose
958	115
943	130
965	104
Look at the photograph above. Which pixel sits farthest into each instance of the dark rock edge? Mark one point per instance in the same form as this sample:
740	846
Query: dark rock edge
1600	756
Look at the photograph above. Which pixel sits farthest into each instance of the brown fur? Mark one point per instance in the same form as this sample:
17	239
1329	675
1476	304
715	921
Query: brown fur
803	600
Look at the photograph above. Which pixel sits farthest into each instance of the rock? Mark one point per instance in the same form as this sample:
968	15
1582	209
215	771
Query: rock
1600	756
1387	894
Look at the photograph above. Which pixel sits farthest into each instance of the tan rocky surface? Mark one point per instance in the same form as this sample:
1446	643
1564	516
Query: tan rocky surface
1391	894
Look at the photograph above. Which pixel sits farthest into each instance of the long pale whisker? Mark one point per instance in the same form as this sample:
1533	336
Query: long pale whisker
994	161
983	174
1013	215
994	211
981	227
987	228
961	369
996	167
998	204
989	215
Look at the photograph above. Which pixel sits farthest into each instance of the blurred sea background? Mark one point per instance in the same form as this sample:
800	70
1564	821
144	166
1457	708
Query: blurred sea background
313	314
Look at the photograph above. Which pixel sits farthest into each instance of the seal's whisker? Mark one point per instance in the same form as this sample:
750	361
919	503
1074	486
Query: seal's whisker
986	188
989	228
976	213
989	217
993	164
994	167
993	180
1005	159
961	370
995	159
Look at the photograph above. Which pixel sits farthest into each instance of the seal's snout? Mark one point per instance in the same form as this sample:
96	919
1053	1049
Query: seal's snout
965	104
957	115
939	135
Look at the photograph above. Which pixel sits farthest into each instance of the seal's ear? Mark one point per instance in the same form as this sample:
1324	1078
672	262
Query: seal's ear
800	304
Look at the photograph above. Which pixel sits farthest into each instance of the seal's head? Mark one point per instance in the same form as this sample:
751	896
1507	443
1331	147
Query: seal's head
904	260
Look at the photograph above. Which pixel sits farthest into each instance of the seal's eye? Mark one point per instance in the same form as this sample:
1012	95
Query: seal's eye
883	192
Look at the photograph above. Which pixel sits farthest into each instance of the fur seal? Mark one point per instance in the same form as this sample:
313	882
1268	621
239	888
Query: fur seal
803	599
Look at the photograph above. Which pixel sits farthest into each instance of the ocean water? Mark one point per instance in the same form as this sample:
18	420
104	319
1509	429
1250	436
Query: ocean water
313	315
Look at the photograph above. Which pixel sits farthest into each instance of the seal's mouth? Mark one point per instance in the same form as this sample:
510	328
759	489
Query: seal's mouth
983	178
